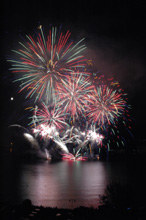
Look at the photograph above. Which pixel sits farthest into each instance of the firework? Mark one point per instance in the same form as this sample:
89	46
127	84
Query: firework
101	80
107	105
46	131
93	136
49	116
73	94
72	157
82	138
53	70
76	157
42	60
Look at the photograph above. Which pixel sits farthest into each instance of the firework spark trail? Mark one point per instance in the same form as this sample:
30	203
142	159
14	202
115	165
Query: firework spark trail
107	105
73	94
48	122
90	135
43	60
72	157
67	138
100	80
94	137
48	132
83	138
50	116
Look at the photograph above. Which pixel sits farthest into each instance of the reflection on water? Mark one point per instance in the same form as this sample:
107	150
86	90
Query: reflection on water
63	184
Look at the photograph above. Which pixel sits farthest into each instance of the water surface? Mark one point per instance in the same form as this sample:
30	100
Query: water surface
64	184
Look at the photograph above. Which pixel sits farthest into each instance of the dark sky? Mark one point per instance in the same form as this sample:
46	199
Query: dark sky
115	33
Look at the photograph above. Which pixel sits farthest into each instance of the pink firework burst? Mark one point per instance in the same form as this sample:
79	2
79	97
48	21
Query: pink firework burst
51	117
74	93
107	105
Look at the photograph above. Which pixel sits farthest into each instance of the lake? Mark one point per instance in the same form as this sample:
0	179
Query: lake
67	184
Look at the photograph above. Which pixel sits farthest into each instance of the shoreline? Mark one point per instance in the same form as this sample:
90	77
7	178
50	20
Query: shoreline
26	211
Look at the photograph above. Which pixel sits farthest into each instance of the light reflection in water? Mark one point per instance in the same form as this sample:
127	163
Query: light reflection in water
66	184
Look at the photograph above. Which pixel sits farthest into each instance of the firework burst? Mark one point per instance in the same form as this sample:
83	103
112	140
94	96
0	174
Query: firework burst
41	61
49	117
73	94
107	105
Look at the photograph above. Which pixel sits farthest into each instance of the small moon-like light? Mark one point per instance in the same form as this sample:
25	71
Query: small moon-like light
12	98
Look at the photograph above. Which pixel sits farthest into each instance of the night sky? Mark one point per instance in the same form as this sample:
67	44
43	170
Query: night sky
115	33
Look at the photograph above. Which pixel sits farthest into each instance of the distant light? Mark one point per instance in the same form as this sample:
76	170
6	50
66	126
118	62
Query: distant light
12	98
